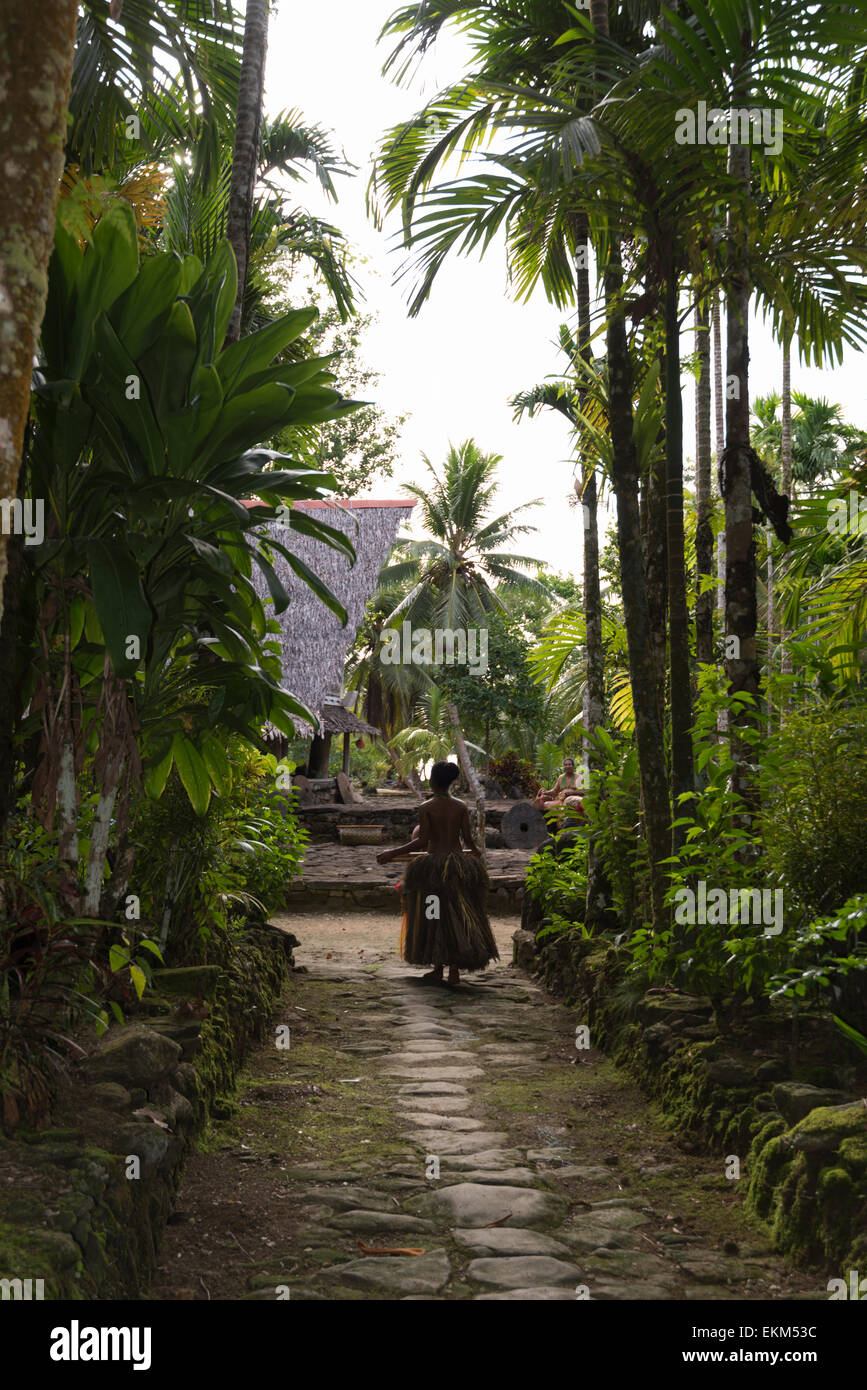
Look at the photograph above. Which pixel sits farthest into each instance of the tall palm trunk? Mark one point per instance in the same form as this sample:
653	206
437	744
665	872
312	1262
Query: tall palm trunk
772	619
742	667
588	493
703	529
35	75
719	434
786	483
653	508
648	730
245	157
682	772
594	699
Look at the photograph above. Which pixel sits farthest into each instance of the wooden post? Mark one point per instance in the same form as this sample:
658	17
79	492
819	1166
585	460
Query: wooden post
346	752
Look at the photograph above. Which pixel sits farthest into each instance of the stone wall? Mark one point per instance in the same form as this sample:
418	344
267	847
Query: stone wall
741	1088
86	1200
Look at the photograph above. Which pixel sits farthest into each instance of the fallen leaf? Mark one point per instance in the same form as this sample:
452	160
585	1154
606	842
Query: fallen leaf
491	1224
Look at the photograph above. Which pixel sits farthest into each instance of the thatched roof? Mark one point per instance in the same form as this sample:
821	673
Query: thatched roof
314	643
336	719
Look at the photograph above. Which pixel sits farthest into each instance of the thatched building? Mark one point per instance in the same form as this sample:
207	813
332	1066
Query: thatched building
315	644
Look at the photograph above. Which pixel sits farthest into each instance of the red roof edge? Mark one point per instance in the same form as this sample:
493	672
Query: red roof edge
351	503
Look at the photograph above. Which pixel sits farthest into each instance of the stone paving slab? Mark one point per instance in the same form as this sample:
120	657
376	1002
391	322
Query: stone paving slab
466	1138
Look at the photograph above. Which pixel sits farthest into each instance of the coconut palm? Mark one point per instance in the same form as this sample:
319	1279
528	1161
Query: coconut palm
150	75
245	158
453	574
195	213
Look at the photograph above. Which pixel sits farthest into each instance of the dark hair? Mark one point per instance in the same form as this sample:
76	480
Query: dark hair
442	775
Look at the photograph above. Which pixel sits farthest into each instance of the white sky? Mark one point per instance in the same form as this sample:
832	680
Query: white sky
454	367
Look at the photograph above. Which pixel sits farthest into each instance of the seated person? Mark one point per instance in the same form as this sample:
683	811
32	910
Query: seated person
566	785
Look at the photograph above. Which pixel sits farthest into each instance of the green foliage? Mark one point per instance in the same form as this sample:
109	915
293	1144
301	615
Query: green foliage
611	807
558	883
548	761
200	876
512	771
815	807
51	976
826	958
502	694
363	448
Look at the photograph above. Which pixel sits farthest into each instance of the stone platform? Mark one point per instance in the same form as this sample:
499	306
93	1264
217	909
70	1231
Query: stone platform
397	814
347	877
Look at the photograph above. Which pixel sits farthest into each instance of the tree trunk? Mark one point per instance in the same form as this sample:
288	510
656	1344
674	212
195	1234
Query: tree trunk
719	418
742	667
786	481
13	643
655	549
703	530
100	836
594	699
769	540
682	772
409	779
587	492
245	157
36	50
648	730
470	774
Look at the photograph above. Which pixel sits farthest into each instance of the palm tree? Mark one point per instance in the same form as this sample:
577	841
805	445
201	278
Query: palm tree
245	159
538	193
149	76
703	498
452	576
195	213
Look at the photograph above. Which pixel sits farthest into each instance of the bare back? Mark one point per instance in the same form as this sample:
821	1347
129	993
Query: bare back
443	823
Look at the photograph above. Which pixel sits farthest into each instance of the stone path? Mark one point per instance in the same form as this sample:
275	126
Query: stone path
465	1129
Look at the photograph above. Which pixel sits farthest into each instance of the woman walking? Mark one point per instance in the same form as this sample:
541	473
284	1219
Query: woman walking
445	919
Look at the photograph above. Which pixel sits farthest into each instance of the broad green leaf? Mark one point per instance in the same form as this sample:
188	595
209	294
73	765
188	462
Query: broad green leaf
117	595
157	775
193	773
217	764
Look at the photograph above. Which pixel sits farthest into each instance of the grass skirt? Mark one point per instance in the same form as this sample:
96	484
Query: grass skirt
445	917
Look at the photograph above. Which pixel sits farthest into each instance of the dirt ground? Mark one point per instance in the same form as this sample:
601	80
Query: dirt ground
367	936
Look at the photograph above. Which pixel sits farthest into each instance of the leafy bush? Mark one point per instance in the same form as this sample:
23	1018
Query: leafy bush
611	807
716	958
512	771
202	874
827	958
815	808
58	971
558	883
549	761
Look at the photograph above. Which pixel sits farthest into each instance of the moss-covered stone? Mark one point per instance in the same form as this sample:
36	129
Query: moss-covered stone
188	981
807	1152
108	1228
